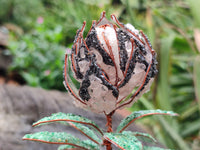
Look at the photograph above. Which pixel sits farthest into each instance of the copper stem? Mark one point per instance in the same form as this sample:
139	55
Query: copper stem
109	129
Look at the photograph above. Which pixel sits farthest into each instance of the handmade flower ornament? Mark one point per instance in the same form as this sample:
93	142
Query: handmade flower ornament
115	64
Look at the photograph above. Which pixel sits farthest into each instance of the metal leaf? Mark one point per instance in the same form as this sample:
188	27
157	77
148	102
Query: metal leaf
65	147
58	138
88	143
139	114
86	131
142	136
124	141
64	118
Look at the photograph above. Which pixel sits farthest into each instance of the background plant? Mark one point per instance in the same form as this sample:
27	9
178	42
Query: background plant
38	56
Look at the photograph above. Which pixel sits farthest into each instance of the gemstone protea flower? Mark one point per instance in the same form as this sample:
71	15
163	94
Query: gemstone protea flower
114	65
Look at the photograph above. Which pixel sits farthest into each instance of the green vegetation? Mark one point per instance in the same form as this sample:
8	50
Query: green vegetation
173	27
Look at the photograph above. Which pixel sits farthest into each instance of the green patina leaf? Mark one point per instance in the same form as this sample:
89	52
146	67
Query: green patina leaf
59	138
64	118
153	148
142	136
87	143
65	147
55	137
125	141
86	131
139	114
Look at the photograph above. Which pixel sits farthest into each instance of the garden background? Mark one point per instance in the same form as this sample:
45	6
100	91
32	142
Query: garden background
34	36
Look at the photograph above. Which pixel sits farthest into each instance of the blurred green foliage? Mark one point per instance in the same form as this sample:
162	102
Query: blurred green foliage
20	12
38	57
171	26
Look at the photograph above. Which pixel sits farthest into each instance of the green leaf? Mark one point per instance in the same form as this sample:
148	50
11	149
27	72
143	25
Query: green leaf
143	136
191	127
192	109
166	18
96	2
52	137
163	85
86	131
65	147
124	141
62	118
173	133
139	114
197	78
58	138
31	79
153	148
194	5
167	127
86	142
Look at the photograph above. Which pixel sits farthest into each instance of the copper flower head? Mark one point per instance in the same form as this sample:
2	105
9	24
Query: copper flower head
114	64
